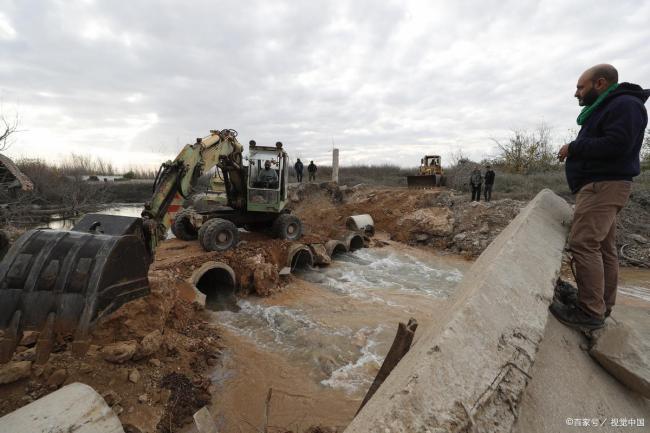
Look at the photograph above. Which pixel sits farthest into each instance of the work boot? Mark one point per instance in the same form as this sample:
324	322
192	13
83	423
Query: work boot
567	294
573	317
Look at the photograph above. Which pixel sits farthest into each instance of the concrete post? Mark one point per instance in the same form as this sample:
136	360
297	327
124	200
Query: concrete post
335	165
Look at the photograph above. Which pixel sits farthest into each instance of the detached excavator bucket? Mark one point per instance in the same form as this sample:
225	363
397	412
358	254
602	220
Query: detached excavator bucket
421	182
61	282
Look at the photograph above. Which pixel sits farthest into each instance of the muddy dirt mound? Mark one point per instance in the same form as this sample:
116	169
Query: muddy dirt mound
131	352
439	217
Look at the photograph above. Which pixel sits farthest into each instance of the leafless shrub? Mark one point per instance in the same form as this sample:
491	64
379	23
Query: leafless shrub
8	127
78	165
528	151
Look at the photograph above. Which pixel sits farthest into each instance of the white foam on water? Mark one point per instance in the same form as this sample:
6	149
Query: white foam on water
368	274
636	292
280	328
359	373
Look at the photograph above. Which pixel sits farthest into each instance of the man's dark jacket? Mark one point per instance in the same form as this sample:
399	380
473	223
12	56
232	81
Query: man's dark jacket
609	142
489	177
298	167
311	167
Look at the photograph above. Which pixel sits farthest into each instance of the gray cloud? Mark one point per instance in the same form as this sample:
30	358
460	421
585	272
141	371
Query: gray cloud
132	81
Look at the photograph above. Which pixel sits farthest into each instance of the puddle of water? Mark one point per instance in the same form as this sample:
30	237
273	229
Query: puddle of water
126	210
635	283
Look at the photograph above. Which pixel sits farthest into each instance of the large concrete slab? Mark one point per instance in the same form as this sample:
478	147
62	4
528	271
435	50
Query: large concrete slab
74	408
568	385
623	347
469	372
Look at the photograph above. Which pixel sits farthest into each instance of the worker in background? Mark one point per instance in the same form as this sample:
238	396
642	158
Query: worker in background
298	166
311	168
268	176
489	181
475	182
600	165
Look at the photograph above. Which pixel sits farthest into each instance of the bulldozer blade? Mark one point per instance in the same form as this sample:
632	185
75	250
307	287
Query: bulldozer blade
421	182
62	282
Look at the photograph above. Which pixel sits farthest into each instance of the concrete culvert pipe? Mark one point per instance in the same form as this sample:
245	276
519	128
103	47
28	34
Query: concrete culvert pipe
215	282
362	223
299	257
353	241
335	247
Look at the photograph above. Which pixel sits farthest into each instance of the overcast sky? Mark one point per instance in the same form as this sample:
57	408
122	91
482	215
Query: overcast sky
385	81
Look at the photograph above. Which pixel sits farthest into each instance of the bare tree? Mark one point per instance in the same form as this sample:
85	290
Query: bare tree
8	127
527	151
645	149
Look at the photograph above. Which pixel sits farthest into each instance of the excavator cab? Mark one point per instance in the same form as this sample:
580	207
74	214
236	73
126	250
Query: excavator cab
267	187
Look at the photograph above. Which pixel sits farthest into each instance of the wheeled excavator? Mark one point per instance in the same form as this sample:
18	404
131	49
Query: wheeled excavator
60	283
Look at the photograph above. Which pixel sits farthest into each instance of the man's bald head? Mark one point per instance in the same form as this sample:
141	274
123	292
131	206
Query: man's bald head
605	71
595	81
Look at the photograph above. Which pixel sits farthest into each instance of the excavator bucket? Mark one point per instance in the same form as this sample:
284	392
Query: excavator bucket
62	282
421	182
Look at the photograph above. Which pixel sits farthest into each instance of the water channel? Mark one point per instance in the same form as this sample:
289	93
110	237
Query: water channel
307	354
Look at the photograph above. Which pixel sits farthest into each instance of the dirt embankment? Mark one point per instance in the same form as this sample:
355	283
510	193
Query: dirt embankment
446	219
439	218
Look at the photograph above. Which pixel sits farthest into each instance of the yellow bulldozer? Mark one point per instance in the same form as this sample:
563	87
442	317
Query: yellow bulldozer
430	174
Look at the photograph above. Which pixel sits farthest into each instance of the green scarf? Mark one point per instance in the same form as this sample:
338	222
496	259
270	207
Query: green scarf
586	112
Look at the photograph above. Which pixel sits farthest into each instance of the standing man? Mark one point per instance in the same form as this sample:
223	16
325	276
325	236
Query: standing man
311	168
298	167
600	165
475	181
489	181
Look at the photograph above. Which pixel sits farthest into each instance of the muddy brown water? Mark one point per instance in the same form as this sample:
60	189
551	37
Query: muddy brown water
316	346
307	355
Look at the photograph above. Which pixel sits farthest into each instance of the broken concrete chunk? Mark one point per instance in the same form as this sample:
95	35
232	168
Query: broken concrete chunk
111	397
625	353
57	378
432	221
204	422
26	355
29	338
134	376
150	345
14	371
119	352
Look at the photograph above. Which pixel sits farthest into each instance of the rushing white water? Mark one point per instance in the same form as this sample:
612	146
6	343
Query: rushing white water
341	330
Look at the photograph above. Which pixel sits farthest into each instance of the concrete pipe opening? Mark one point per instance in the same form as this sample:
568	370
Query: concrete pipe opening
216	281
299	257
335	247
354	242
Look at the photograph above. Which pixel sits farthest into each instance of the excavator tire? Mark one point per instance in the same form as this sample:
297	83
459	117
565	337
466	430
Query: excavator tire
287	226
62	282
182	226
218	234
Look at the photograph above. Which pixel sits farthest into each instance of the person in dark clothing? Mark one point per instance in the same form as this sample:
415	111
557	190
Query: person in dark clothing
475	182
311	168
489	181
600	165
298	167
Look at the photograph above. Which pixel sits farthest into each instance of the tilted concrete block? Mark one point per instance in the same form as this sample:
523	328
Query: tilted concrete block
468	372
